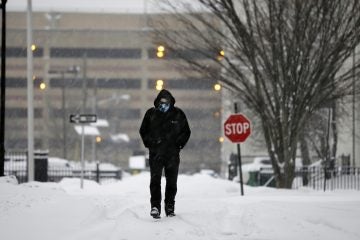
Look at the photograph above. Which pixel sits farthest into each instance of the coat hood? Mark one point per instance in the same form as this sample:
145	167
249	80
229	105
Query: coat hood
164	94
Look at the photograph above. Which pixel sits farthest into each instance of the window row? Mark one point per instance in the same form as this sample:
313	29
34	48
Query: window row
120	83
116	83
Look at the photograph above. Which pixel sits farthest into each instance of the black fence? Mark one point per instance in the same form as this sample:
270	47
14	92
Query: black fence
318	178
53	170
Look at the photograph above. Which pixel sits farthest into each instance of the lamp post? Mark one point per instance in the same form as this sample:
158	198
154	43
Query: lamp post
72	70
3	86
30	93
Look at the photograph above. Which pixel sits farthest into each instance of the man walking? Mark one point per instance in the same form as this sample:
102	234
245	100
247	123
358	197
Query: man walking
164	131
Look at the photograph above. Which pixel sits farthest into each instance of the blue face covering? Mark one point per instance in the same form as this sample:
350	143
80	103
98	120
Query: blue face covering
164	107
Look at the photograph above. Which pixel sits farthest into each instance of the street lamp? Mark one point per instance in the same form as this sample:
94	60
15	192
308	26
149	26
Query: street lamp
98	139
221	55
159	84
160	51
3	86
42	86
217	87
71	70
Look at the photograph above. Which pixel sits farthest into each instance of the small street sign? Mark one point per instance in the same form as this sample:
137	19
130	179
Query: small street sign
83	118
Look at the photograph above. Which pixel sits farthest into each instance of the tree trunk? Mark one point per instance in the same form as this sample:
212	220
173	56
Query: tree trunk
284	175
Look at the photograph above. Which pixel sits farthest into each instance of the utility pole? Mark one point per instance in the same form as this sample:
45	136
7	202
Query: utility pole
3	86
64	118
30	94
94	111
84	83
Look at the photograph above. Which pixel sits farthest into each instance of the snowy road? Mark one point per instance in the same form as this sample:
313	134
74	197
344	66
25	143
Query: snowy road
206	208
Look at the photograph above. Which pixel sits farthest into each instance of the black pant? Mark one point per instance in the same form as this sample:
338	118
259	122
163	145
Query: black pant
170	163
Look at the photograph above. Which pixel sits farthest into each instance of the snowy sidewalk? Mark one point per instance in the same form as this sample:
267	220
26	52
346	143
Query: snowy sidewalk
206	208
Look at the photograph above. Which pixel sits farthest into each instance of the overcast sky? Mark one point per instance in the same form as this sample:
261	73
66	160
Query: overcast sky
107	6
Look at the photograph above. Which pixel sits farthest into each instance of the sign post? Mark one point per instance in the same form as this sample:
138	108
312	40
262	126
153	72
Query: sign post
237	129
82	119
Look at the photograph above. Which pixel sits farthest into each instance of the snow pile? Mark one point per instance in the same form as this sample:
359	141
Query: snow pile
207	208
9	180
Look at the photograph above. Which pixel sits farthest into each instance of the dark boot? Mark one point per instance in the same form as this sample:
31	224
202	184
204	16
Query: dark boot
170	209
155	213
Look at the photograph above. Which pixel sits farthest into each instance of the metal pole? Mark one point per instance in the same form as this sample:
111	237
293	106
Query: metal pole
30	94
3	86
84	83
82	156
94	110
64	114
97	172
239	159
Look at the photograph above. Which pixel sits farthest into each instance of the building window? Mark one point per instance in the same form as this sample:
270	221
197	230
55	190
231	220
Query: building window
13	82
128	53
182	54
123	113
185	84
22	112
199	113
20	52
113	83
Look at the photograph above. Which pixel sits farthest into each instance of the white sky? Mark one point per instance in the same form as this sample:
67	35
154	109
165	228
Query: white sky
105	6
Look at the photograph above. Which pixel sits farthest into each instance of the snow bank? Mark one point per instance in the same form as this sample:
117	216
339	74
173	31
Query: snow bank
9	180
206	207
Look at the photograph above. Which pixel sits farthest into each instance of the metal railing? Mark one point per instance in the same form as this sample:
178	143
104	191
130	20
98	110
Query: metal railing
317	178
52	171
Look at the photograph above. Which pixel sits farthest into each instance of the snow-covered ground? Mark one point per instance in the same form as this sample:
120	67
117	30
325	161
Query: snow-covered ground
207	208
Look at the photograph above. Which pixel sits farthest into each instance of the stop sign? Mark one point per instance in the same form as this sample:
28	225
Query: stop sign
237	128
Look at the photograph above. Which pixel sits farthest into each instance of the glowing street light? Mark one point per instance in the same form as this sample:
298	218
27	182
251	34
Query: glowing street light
161	48
217	87
160	54
42	86
221	55
159	84
159	87
33	47
160	51
98	139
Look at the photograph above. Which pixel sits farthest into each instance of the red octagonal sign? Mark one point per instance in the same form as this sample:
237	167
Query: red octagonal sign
237	128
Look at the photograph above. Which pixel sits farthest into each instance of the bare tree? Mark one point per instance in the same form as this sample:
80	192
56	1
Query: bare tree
285	59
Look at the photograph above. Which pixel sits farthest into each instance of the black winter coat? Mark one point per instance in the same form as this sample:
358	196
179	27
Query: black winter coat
165	133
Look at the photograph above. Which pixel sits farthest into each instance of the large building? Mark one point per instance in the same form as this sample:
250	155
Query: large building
108	64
